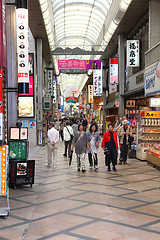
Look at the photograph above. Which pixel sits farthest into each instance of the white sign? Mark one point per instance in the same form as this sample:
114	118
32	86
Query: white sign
50	81
133	53
152	80
90	93
113	73
112	88
54	91
22	45
154	102
97	82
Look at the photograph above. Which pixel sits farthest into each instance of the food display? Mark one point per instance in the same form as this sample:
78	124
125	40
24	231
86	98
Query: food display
148	132
26	107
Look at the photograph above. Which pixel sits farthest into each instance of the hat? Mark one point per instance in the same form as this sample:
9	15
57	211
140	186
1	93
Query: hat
51	124
125	122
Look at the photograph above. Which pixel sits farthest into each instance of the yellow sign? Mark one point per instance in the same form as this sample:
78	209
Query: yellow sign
152	114
3	169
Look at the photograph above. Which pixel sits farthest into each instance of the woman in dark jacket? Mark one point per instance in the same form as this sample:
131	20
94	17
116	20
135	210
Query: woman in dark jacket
93	142
80	142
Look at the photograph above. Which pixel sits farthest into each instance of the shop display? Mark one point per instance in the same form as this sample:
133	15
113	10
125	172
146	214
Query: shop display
148	131
153	156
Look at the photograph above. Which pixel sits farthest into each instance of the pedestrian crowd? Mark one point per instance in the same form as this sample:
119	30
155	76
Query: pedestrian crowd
83	137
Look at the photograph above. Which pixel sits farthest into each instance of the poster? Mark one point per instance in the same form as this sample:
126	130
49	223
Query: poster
21	169
32	123
113	73
23	133
24	123
22	45
14	133
26	106
132	53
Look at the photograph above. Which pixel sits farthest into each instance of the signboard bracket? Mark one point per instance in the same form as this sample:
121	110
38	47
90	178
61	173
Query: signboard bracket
11	89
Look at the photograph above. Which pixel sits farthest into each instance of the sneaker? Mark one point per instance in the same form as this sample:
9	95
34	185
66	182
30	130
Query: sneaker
78	169
83	170
90	167
54	166
125	163
114	169
47	165
95	168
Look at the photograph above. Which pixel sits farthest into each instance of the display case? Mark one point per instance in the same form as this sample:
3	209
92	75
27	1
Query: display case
153	156
148	133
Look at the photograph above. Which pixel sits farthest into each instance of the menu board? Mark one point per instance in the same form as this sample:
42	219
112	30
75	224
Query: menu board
14	133
23	133
17	149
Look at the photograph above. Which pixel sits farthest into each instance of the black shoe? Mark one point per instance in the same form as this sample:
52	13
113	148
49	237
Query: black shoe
78	169
125	163
114	169
109	169
83	170
64	155
120	163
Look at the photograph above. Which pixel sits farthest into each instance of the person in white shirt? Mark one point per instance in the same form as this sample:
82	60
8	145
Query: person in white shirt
53	137
68	137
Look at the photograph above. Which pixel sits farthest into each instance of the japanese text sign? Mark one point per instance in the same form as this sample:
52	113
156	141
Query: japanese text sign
79	64
113	73
3	40
50	81
54	92
22	45
90	93
133	53
97	83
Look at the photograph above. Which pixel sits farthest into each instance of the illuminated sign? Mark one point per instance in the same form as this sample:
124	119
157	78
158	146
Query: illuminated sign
3	170
132	53
154	102
79	64
26	107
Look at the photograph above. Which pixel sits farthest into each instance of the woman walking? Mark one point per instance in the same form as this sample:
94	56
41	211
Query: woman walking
93	142
80	142
61	129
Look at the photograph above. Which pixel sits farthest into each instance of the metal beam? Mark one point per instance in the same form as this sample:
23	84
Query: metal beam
75	51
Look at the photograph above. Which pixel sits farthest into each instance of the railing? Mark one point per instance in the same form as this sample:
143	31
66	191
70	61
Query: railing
152	55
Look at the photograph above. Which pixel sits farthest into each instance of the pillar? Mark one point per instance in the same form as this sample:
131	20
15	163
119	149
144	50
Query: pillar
40	93
154	20
121	57
11	63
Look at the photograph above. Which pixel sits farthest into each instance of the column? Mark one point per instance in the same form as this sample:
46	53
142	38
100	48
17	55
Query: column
154	22
39	86
11	63
121	56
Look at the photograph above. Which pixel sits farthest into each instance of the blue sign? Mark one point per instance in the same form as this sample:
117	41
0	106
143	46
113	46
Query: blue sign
32	123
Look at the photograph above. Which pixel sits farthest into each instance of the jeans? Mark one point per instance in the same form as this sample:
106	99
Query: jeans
91	160
124	153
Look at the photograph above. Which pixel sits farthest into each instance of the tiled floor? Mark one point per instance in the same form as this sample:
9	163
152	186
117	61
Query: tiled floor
64	204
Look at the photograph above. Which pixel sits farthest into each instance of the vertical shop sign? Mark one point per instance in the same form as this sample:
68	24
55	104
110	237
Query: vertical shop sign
3	170
3	41
54	91
90	93
97	82
22	45
50	81
133	53
1	105
113	73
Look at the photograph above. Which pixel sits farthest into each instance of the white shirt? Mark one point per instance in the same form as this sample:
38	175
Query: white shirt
53	135
66	134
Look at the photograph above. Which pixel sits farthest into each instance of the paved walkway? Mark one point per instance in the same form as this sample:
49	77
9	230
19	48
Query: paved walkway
64	204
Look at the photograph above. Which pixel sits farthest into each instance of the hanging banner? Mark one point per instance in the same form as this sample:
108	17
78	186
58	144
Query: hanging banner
79	64
90	93
22	45
3	40
50	81
54	91
133	53
71	94
97	83
113	70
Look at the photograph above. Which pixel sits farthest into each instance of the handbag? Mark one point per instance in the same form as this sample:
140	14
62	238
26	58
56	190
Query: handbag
130	139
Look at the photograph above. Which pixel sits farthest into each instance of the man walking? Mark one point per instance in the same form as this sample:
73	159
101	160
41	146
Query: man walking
68	137
110	146
53	137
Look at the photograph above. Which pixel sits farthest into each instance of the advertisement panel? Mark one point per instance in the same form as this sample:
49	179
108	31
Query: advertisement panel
90	93
25	107
3	38
152	80
97	83
79	64
113	73
22	45
132	53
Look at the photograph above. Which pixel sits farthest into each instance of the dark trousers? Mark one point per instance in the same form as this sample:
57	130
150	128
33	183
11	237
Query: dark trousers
61	134
124	153
91	160
111	158
68	146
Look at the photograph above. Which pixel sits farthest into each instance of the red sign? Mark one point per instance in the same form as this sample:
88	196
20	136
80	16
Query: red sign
3	39
1	84
113	70
79	64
